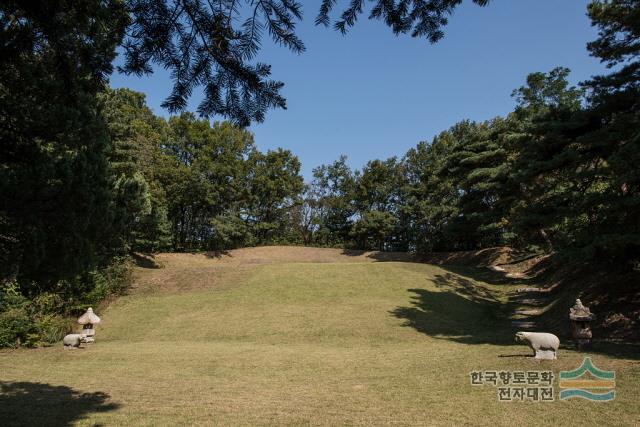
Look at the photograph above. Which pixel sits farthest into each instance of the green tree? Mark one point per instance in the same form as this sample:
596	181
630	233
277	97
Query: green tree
376	199
372	229
204	176
333	188
307	215
56	187
136	137
431	197
550	110
480	166
275	185
611	142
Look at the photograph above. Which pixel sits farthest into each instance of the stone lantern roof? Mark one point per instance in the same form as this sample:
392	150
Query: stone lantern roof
89	318
580	313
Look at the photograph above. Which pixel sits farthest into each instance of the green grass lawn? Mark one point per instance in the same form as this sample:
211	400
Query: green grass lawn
350	342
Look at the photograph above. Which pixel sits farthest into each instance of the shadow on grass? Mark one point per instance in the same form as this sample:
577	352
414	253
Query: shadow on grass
145	260
521	355
478	257
485	275
622	350
619	350
466	312
381	256
464	315
463	286
217	254
37	404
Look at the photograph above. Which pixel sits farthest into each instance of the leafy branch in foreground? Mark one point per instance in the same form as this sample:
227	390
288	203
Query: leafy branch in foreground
202	45
419	17
212	44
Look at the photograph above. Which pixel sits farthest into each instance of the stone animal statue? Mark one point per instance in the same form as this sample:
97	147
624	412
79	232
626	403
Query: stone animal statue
543	344
74	340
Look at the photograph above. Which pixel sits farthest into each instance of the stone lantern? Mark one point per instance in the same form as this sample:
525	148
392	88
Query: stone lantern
581	318
87	321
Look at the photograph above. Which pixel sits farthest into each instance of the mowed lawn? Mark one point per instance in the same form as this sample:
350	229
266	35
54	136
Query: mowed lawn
271	340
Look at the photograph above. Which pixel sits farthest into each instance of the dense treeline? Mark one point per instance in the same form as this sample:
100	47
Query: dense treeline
559	173
89	175
193	186
556	174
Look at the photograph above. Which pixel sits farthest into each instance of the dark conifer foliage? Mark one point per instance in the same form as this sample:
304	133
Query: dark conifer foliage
203	44
420	18
55	188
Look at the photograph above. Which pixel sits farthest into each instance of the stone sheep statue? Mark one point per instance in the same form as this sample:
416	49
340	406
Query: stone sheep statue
74	340
544	345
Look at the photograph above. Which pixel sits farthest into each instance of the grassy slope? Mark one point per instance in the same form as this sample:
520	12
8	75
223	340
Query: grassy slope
270	337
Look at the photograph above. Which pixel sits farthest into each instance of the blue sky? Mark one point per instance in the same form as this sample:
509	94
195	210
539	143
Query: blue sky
370	94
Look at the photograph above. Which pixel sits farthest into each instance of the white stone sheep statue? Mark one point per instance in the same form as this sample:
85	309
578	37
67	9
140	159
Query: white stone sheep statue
543	344
74	340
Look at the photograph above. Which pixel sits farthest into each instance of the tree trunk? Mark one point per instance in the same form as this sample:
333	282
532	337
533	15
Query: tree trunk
547	240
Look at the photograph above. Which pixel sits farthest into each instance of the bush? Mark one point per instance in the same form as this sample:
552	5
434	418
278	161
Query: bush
10	296
46	318
30	322
112	280
15	327
48	329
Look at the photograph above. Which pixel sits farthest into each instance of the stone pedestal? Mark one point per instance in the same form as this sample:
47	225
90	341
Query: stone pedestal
545	355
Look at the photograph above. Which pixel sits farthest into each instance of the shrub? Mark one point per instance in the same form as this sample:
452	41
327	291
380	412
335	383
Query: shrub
15	327
10	296
45	318
48	329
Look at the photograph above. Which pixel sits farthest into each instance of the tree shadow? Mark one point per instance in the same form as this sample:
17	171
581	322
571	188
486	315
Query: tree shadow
485	275
464	311
467	316
27	403
145	260
619	350
463	286
217	254
521	355
477	257
382	256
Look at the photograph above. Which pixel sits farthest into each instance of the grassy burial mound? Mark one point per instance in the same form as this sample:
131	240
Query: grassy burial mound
278	335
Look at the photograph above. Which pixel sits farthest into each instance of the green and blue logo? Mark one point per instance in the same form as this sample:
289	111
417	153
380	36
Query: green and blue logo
598	386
